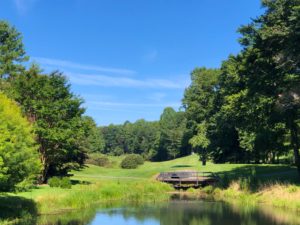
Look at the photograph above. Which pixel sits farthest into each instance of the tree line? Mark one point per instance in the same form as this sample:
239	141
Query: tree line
160	140
246	111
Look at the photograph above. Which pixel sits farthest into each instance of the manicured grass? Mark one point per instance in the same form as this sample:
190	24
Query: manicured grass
150	169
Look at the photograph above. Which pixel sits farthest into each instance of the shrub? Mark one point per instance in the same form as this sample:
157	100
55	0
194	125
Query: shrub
139	159
54	182
98	160
64	182
208	189
132	161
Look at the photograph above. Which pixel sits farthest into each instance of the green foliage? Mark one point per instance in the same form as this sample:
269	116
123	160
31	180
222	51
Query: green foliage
199	97
56	115
139	159
98	160
94	142
54	182
161	140
61	182
65	183
200	139
132	161
172	127
200	102
138	138
19	161
12	52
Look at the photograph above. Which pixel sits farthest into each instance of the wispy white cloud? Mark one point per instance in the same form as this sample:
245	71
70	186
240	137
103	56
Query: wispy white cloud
119	81
63	64
88	75
24	5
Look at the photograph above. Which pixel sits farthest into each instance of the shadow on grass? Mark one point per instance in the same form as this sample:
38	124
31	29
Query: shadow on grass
17	210
259	175
180	166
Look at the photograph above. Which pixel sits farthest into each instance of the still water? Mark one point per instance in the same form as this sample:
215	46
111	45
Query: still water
178	213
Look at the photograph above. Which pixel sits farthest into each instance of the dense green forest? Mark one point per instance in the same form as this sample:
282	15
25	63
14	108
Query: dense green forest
246	111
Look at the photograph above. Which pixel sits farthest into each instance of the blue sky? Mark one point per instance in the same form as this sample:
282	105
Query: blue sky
129	59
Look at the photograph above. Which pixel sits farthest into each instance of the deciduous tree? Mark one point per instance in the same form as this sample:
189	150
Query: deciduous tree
19	161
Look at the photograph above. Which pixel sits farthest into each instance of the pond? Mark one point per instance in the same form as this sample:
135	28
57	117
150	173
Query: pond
178	212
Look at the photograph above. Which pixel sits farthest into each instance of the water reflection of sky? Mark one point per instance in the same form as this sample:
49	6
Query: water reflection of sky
178	213
104	219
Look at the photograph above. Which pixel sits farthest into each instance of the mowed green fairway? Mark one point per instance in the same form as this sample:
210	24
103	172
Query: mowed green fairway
149	169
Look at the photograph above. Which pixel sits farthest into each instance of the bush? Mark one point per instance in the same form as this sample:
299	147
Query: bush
54	182
98	160
132	161
139	159
208	189
64	182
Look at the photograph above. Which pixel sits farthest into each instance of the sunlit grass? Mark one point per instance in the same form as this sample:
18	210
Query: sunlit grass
149	169
51	200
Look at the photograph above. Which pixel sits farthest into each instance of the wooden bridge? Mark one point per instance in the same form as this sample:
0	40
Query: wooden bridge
186	179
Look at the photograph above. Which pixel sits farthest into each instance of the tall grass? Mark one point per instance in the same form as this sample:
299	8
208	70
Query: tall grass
276	194
104	192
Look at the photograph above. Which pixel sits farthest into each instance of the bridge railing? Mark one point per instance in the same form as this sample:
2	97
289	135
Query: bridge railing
185	174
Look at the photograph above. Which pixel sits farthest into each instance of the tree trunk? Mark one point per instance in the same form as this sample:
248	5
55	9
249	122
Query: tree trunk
203	157
45	165
295	144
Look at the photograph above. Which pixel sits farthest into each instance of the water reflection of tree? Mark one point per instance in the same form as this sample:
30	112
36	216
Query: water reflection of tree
182	213
210	213
204	213
77	217
18	209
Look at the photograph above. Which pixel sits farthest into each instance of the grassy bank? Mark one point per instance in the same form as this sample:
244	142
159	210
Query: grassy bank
54	200
285	196
276	185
